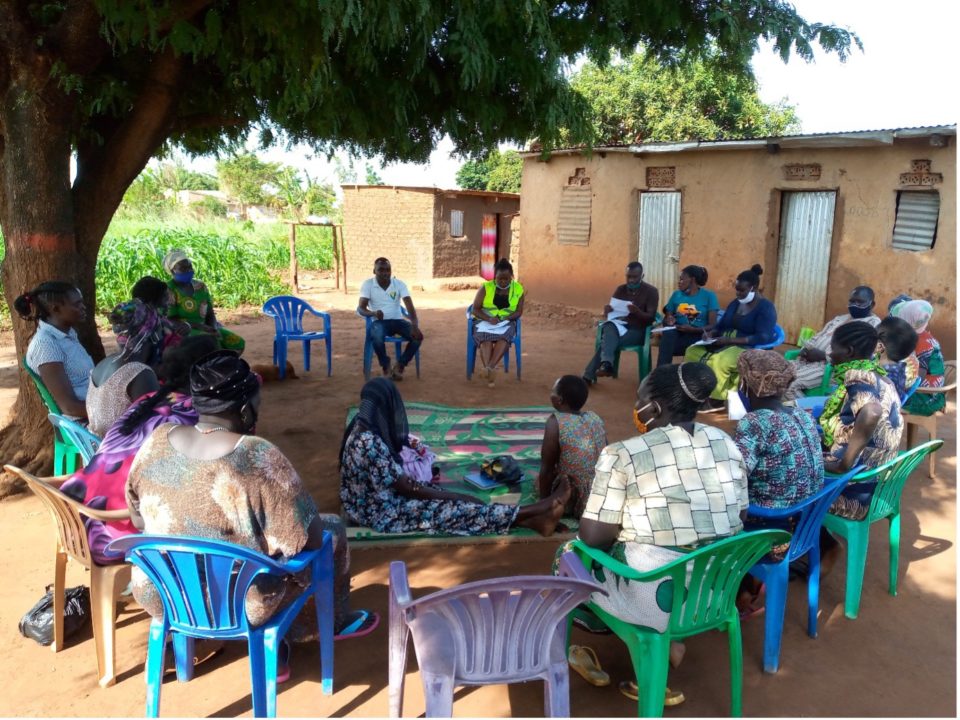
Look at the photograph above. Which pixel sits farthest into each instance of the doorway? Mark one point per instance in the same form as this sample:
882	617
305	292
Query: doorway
659	239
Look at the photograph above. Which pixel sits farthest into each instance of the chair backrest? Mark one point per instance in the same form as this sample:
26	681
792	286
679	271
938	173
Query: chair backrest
805	334
809	514
949	380
500	629
908	392
287	313
81	438
66	511
891	477
42	389
202	583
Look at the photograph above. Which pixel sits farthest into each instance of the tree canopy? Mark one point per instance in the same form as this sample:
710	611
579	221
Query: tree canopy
637	100
496	171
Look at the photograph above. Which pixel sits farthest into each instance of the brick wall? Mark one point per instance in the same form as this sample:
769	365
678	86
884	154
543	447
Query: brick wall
396	223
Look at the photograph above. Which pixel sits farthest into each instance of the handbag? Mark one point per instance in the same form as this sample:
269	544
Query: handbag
502	469
38	623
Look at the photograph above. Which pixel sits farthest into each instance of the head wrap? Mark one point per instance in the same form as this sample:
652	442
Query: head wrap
220	382
172	258
766	373
915	312
897	300
382	413
137	326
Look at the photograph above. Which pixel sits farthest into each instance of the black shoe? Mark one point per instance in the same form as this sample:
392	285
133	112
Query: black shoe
588	381
605	370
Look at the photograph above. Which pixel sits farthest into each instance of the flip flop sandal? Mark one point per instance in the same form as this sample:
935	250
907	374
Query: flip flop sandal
584	661
364	623
670	697
590	624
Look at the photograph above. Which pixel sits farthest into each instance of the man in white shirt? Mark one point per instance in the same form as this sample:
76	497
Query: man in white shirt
380	298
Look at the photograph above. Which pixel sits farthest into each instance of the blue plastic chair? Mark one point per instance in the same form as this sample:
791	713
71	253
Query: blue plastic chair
287	313
203	585
85	442
397	347
809	516
779	338
472	348
910	391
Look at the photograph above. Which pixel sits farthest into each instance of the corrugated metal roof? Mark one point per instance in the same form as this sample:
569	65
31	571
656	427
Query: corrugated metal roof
916	225
573	223
851	138
438	191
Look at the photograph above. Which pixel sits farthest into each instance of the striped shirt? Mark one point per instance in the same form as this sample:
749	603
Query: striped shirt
50	345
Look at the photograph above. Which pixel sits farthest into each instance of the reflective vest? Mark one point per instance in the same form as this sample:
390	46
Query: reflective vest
490	287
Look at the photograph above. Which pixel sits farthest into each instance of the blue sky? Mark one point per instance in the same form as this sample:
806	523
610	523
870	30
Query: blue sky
906	76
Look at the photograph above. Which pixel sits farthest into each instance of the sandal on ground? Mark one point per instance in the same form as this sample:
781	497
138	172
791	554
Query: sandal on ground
751	609
584	661
670	697
358	624
586	620
203	650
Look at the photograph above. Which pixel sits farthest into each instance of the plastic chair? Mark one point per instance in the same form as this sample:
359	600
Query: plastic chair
472	348
106	581
203	586
825	381
85	442
64	452
709	603
644	362
805	334
287	313
779	338
890	478
805	541
397	347
504	630
929	423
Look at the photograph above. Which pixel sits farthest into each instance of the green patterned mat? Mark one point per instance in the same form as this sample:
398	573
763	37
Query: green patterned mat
462	438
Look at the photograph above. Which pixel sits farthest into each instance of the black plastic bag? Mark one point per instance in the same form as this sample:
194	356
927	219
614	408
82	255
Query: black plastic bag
38	622
502	469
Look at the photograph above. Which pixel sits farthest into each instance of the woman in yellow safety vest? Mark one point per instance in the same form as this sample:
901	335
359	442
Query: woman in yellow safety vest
496	308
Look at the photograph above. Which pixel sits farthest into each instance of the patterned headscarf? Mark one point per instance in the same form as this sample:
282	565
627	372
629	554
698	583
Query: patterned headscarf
766	373
382	413
222	381
915	312
902	298
137	326
172	258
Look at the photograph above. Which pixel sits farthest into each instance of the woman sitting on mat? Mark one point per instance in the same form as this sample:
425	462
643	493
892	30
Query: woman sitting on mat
496	308
572	441
376	493
677	485
218	480
55	353
691	311
191	301
929	357
749	320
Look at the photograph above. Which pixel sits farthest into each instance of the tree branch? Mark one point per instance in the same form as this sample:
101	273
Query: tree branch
183	10
77	36
206	120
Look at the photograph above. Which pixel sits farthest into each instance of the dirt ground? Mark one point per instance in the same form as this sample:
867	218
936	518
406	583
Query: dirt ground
897	659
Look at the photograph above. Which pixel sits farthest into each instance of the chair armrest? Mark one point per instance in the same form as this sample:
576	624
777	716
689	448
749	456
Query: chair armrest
56	481
792	354
625	571
318	313
104	515
399	586
571	566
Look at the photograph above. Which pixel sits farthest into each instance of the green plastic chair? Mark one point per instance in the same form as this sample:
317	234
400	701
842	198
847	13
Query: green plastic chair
65	453
805	334
890	478
709	603
644	362
826	382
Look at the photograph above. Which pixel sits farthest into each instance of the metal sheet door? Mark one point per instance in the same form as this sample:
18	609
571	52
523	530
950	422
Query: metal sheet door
660	239
806	234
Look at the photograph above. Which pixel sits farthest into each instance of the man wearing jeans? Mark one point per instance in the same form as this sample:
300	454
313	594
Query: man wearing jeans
380	298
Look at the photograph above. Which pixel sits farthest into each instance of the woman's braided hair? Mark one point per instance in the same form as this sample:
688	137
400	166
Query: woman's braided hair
859	336
682	388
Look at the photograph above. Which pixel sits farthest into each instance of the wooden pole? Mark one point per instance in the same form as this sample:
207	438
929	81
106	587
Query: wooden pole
294	281
343	257
336	257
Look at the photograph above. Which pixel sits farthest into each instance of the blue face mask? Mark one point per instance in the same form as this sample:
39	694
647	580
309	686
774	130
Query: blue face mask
183	277
744	398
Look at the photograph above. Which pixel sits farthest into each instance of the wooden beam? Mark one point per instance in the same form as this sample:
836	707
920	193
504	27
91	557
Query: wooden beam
294	280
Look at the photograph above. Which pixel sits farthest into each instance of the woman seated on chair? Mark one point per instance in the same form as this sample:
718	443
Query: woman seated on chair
749	320
635	512
218	480
898	341
55	353
101	484
572	441
691	311
155	293
496	308
191	301
375	491
929	357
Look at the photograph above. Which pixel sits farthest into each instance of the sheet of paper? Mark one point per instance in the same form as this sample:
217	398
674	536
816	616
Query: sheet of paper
620	308
494	328
711	341
657	330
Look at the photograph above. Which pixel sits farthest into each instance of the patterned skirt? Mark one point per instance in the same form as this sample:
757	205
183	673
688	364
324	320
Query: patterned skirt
509	335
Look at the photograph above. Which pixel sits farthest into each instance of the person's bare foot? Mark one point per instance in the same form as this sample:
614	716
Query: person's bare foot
545	523
677	651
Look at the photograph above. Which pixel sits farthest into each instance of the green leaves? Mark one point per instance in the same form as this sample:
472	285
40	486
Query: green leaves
495	171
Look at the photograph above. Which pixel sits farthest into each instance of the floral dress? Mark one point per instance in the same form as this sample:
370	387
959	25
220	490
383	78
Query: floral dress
930	360
194	309
582	439
368	475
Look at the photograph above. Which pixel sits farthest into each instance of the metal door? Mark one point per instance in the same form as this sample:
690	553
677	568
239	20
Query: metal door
803	270
660	239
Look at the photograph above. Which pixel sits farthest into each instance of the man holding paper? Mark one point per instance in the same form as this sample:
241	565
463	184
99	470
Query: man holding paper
632	308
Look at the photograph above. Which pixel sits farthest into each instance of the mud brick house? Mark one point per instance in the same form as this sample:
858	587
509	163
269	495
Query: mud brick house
427	233
822	213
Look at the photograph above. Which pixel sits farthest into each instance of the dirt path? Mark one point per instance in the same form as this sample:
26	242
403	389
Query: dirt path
897	659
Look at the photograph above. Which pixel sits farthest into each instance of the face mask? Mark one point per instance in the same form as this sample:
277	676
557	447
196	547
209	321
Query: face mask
503	287
634	286
641	426
748	299
858	313
744	398
183	277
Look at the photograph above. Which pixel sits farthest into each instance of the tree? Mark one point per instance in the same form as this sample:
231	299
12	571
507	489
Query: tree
495	171
637	100
246	177
372	177
113	83
299	198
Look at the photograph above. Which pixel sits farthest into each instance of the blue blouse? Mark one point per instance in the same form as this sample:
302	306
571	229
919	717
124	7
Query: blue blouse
759	326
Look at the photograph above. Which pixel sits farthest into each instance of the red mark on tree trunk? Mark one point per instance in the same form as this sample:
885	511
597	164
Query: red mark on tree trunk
43	242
